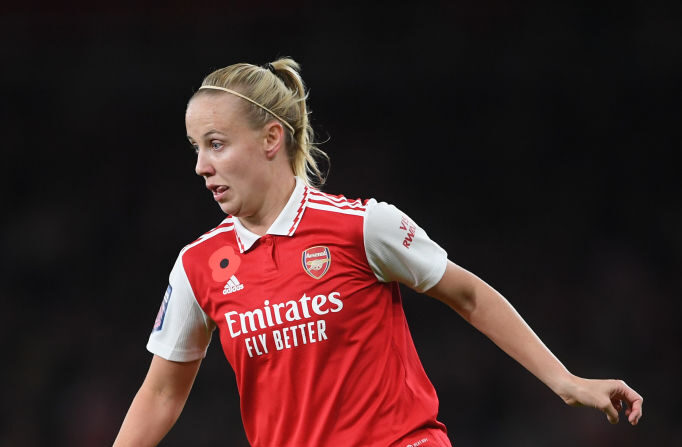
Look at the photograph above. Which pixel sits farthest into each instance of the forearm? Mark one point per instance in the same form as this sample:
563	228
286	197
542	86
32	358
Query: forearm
150	417
490	313
495	317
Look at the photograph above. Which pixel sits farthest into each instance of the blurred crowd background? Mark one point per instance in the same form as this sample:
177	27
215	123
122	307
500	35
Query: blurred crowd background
538	143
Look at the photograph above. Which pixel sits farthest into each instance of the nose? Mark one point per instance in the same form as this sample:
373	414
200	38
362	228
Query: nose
203	168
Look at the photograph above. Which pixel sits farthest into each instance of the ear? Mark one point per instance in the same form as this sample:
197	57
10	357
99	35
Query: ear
274	139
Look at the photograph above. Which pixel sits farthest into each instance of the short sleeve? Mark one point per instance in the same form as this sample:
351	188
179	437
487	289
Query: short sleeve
399	250
182	331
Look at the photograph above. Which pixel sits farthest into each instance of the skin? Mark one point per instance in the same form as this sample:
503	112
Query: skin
489	312
251	163
249	173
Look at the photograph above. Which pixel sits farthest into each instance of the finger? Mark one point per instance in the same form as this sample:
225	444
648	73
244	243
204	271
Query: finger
617	404
633	399
635	411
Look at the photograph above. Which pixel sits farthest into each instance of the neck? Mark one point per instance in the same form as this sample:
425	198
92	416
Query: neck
275	199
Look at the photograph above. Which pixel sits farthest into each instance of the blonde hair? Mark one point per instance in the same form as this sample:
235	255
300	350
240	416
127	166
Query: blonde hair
275	91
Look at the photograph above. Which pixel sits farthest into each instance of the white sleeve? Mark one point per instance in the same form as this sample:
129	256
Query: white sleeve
398	250
182	330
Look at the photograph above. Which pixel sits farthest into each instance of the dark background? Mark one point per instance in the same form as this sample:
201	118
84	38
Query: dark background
537	143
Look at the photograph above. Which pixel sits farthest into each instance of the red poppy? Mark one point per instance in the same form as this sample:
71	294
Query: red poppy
224	263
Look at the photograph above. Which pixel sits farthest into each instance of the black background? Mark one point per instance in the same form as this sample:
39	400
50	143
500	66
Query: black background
537	143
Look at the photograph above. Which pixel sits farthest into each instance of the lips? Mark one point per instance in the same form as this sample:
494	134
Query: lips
218	191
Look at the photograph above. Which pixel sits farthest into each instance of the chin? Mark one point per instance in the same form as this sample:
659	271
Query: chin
229	209
226	208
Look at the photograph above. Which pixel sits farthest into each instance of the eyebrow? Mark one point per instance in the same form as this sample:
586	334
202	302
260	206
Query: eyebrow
207	134
212	131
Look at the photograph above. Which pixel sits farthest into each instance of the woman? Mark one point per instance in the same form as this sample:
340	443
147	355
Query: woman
303	287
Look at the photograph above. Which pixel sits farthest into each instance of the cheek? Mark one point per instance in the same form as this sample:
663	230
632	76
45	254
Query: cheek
230	162
240	162
246	163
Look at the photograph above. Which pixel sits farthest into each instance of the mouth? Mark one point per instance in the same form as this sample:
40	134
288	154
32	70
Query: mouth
218	191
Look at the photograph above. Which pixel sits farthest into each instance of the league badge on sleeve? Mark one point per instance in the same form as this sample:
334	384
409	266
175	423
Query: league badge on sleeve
316	261
158	324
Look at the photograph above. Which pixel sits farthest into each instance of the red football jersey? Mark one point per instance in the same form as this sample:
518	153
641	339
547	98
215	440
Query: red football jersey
311	320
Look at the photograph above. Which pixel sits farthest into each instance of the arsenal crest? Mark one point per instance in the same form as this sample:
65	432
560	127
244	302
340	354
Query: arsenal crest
316	261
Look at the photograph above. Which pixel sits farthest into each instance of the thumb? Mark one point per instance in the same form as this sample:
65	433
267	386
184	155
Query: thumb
611	413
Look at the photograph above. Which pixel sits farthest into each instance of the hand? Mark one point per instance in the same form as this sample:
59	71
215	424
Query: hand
608	396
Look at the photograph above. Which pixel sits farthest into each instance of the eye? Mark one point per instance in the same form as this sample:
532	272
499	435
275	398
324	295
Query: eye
216	145
195	147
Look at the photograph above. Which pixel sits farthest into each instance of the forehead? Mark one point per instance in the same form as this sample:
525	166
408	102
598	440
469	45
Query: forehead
219	110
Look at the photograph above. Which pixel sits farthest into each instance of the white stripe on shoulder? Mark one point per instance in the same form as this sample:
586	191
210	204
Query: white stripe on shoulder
317	192
334	209
317	195
207	236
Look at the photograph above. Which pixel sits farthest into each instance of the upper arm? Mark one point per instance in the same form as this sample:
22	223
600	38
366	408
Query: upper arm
158	403
398	249
171	380
456	289
182	331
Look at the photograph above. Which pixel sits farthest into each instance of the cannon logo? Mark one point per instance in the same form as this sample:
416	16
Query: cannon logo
316	261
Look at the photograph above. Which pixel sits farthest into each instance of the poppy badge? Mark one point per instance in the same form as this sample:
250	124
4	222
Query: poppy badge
316	261
224	263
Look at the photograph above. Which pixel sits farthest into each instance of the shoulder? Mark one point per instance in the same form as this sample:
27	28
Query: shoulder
337	203
374	215
210	239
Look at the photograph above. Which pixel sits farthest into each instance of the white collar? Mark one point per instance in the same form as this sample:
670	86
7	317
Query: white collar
285	224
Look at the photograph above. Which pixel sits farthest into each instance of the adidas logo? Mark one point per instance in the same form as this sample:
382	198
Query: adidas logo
232	285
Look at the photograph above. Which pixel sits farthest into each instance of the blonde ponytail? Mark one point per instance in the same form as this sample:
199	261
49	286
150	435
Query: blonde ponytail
276	91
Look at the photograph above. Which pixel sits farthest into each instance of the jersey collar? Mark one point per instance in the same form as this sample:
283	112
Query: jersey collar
285	224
